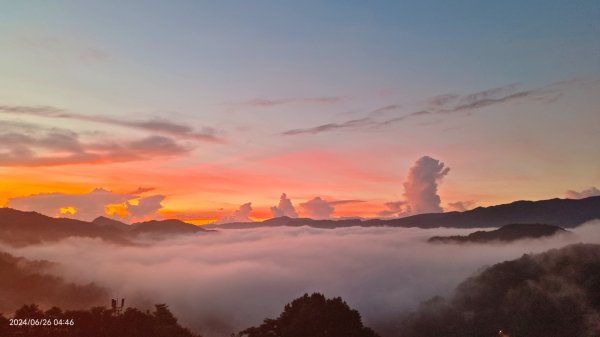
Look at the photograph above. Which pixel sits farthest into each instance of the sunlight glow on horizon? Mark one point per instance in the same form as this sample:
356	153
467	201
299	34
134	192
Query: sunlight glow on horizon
190	110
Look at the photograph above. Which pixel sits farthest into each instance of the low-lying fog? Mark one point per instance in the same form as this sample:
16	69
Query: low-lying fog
221	283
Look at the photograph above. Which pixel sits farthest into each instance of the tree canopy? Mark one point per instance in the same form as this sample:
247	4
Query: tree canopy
314	316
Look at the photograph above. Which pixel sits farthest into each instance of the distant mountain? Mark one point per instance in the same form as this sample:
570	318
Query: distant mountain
103	221
506	233
26	281
20	228
171	226
554	293
566	213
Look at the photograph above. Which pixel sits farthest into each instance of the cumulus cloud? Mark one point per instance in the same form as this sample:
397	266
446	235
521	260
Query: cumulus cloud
317	208
395	209
421	185
590	192
285	208
88	206
460	206
146	207
241	215
219	284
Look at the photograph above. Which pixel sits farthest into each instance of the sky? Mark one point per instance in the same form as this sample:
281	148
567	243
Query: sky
211	110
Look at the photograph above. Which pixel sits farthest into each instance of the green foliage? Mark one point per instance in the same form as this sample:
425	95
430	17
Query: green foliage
313	316
553	294
96	322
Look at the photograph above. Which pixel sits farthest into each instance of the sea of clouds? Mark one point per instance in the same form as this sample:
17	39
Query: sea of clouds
220	283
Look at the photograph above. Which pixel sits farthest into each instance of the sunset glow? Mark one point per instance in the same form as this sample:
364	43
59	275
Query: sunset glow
206	121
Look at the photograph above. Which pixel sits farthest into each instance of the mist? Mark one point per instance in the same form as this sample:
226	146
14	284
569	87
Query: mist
222	283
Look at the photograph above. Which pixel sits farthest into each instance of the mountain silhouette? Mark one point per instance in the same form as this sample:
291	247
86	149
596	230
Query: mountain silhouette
26	281
506	233
171	226
103	221
19	228
554	293
565	213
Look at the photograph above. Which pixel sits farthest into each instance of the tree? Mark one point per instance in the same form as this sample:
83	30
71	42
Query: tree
314	316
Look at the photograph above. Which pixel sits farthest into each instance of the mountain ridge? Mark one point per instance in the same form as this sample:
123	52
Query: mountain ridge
506	233
20	228
566	213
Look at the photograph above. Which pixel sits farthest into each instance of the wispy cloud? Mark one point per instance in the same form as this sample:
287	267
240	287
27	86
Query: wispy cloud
351	124
448	104
62	147
62	48
263	102
161	126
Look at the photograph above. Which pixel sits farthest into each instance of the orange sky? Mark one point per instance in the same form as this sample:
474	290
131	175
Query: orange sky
225	110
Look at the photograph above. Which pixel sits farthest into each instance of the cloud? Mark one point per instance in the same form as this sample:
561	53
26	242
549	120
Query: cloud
449	104
395	209
63	48
460	206
146	208
317	208
88	206
285	208
241	215
352	124
261	102
219	284
420	187
161	126
590	192
35	146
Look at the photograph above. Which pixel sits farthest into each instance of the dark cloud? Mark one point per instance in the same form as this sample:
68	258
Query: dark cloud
351	124
590	192
160	126
284	208
55	147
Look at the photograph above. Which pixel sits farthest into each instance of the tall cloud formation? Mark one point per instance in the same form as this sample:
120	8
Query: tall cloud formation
285	208
590	192
317	208
421	185
240	215
88	206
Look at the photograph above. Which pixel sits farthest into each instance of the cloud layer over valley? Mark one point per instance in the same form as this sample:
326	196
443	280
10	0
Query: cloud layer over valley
221	283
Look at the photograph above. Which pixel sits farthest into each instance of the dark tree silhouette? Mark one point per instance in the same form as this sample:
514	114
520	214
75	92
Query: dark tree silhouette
313	316
553	294
96	322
